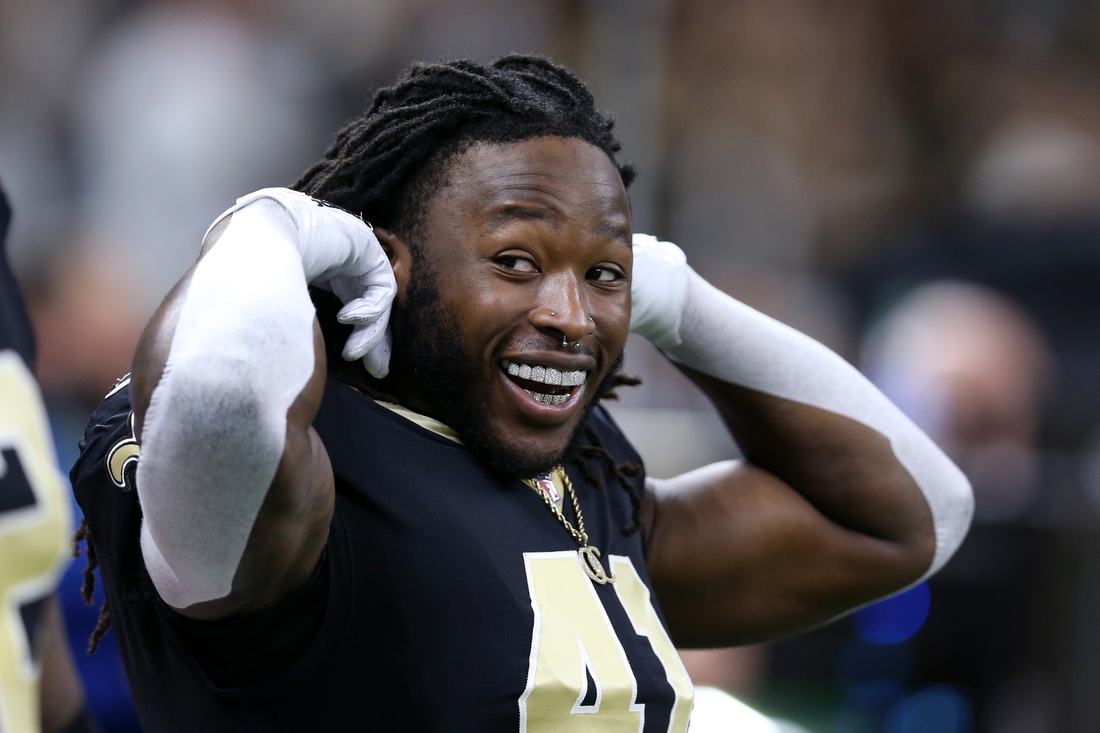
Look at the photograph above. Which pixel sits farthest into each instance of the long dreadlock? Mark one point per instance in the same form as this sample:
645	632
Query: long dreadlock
386	164
87	588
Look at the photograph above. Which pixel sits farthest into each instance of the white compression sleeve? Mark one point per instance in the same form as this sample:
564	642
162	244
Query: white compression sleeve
216	425
699	326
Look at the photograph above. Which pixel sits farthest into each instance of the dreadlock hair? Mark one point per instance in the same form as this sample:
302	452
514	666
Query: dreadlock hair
386	164
87	589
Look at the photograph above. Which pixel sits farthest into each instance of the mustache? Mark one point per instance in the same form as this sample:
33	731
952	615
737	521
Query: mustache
545	343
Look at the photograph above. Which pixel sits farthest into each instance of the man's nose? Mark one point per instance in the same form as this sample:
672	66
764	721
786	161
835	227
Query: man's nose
562	309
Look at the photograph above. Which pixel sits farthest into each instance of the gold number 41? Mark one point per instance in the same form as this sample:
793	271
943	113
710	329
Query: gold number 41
574	646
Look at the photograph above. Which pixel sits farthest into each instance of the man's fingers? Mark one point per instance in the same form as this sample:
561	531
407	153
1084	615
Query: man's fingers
366	310
366	297
379	276
362	339
365	338
377	360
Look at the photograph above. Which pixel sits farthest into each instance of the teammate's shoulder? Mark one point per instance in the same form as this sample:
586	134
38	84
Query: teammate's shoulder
109	444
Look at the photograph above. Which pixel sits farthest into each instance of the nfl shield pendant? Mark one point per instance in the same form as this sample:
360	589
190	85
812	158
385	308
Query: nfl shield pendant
590	561
545	483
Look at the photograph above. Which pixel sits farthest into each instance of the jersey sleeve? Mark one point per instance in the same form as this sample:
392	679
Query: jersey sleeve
233	652
103	482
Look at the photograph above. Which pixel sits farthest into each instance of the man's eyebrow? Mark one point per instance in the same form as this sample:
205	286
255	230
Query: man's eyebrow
616	231
523	212
528	212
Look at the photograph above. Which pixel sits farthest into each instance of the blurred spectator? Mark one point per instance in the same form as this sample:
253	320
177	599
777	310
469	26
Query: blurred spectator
969	366
87	324
185	106
42	43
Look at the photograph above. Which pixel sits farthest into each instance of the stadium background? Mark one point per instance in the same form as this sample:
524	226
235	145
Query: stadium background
914	182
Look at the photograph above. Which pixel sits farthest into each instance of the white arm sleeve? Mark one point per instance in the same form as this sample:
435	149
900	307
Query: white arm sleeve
242	351
697	325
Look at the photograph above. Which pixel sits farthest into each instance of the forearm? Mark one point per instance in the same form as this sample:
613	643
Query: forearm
241	352
804	413
227	381
846	471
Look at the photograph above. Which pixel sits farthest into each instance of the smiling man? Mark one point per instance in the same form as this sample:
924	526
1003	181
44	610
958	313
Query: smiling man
376	489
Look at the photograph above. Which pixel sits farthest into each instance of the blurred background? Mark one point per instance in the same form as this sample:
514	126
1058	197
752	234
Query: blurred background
916	183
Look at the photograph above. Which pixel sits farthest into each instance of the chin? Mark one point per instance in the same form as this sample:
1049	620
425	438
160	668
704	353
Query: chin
519	458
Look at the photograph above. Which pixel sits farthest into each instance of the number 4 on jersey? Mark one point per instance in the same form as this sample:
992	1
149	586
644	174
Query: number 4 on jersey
579	678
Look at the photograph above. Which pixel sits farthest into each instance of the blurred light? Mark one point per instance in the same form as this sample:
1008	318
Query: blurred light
875	693
938	709
895	619
859	663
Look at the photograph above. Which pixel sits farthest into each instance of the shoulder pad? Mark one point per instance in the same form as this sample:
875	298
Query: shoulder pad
109	448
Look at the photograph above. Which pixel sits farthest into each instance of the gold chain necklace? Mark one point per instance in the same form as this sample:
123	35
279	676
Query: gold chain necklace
589	555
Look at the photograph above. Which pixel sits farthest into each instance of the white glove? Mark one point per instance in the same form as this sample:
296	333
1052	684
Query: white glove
340	253
657	291
697	325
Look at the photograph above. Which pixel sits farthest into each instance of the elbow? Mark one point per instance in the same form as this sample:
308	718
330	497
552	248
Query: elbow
952	506
203	432
954	522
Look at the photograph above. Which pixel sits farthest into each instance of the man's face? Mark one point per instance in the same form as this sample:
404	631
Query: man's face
526	247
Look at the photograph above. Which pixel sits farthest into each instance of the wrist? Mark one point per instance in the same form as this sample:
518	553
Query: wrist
330	242
658	293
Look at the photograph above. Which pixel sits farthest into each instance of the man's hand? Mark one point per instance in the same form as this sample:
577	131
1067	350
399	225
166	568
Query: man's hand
842	499
340	253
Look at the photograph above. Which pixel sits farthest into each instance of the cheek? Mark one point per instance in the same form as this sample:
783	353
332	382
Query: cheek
612	317
486	310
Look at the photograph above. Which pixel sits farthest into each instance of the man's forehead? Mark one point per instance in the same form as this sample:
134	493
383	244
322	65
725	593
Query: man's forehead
539	165
541	179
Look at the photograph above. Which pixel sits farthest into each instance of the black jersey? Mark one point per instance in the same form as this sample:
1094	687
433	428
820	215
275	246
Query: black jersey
455	601
15	327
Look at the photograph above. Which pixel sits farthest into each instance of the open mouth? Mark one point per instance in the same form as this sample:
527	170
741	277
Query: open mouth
546	384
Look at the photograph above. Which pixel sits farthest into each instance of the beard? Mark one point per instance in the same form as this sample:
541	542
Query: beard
440	371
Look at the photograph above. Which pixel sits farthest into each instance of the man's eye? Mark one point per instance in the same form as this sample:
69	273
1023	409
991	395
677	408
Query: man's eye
603	274
519	264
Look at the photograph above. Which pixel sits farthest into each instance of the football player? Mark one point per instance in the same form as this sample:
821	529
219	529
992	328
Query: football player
376	488
39	688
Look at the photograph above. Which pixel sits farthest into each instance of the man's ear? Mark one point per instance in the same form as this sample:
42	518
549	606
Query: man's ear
400	259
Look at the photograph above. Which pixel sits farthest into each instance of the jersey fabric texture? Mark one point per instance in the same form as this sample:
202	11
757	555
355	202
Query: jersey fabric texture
454	601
